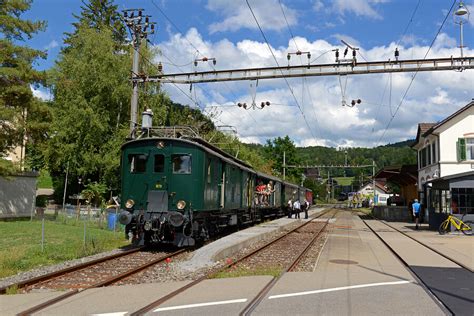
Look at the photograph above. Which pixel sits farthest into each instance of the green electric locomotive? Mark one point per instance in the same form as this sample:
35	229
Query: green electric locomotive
177	188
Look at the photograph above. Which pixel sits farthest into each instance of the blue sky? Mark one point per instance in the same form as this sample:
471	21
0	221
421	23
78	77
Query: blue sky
226	30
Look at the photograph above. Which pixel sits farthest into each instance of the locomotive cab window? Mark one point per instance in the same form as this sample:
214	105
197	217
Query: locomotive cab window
159	163
137	163
181	164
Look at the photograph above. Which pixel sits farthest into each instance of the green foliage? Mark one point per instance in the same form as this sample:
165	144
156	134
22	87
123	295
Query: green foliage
274	150
94	193
16	99
21	251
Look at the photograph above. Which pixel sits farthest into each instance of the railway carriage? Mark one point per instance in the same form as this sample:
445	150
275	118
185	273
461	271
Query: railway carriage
178	189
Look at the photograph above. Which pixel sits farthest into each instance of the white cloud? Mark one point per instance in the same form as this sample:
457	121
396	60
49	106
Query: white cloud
51	45
363	8
41	93
237	15
432	96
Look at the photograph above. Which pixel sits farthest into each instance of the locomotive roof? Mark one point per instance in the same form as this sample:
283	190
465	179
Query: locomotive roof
212	150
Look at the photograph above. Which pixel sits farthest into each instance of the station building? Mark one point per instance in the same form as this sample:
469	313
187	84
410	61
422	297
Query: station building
446	166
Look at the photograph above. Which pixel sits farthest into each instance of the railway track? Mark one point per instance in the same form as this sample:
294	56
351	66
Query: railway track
448	286
290	264
98	273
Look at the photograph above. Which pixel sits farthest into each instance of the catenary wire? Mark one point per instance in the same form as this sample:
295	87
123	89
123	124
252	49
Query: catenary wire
414	75
276	61
195	48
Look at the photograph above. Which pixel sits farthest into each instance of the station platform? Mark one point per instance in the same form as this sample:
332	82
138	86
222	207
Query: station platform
355	274
454	245
227	246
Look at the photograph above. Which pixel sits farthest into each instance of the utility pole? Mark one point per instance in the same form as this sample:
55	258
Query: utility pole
284	165
373	179
138	25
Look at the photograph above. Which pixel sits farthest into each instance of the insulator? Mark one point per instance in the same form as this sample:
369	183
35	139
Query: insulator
160	67
309	55
195	63
147	19
153	27
298	53
262	104
245	105
125	14
140	13
132	15
397	53
359	101
239	105
353	102
337	53
204	59
354	53
267	103
346	51
214	61
288	56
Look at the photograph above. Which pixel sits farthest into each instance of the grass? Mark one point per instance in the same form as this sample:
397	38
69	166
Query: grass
44	180
344	180
240	272
20	247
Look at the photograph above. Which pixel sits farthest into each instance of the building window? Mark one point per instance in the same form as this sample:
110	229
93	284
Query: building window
428	148
462	200
433	152
159	163
137	163
181	164
465	149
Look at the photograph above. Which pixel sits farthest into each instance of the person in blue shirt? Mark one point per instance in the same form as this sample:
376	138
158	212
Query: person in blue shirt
416	212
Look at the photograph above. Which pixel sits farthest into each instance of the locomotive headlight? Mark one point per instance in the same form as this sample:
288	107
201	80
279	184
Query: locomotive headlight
130	203
147	225
181	204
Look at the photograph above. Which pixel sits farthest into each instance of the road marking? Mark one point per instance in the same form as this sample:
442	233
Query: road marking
241	300
338	289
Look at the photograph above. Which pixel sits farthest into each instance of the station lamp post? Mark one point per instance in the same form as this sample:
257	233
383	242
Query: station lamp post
461	16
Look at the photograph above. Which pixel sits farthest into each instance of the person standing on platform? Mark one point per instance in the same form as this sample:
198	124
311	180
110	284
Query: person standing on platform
289	207
416	208
305	208
297	208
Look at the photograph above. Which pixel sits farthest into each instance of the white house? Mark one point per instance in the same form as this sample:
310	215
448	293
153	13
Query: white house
381	192
446	163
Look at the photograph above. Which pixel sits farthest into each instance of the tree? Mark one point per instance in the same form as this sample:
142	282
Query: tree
91	87
16	75
274	150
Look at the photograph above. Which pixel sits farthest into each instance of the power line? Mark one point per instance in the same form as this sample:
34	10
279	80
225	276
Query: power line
193	46
414	75
409	22
276	61
304	81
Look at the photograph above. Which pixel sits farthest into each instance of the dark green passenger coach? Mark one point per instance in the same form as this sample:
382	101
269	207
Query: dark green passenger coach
179	190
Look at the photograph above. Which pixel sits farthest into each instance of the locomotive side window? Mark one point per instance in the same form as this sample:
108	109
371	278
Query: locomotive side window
208	170
181	163
137	163
159	163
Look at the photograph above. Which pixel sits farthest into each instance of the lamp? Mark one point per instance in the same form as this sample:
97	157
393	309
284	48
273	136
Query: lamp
461	16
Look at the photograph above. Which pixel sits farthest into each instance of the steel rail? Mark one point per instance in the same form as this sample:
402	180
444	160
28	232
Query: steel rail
108	281
54	274
431	294
343	67
180	290
261	295
429	247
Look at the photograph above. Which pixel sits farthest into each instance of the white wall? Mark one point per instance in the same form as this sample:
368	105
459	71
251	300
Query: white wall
458	127
17	195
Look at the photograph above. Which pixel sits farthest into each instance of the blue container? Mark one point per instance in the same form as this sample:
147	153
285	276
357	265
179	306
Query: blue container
111	221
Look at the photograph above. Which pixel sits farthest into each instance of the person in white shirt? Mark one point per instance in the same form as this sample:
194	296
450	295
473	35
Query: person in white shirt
297	208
